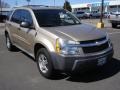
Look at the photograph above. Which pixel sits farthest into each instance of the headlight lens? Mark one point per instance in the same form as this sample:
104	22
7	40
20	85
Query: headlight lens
67	47
107	36
109	41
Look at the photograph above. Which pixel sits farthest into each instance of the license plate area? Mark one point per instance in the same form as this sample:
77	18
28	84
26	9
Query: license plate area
101	61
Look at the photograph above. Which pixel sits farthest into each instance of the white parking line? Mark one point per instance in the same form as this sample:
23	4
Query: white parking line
1	52
114	33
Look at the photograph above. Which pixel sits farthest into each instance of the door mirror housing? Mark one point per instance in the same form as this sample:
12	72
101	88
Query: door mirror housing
26	25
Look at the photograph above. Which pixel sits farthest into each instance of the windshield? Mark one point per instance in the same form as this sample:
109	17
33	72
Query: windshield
50	18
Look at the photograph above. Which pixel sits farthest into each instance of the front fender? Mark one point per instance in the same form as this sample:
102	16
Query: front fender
49	45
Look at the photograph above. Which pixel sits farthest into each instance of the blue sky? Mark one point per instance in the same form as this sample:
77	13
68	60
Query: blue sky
46	2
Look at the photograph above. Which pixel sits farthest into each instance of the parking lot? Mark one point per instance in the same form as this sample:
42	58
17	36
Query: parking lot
18	71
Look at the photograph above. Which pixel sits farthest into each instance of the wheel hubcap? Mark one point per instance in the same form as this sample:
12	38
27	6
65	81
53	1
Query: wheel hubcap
8	42
43	63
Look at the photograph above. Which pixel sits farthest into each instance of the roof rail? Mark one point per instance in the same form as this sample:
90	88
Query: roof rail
35	6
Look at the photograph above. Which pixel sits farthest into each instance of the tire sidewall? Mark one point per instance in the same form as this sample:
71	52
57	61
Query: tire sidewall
114	25
49	73
10	47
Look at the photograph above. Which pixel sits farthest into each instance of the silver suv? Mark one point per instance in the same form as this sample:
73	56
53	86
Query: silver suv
57	40
115	19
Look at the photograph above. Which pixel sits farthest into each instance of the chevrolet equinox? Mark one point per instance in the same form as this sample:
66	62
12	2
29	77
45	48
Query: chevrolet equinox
57	40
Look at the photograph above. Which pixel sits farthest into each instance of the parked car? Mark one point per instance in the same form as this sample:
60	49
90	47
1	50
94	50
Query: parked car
87	15
3	18
115	19
95	14
80	14
57	40
107	15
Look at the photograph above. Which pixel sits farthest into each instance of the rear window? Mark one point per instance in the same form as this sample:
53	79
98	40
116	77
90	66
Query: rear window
80	12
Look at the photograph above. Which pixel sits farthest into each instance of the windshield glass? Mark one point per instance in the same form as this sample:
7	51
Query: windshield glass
50	18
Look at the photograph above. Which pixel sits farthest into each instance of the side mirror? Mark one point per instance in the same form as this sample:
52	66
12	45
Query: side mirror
25	24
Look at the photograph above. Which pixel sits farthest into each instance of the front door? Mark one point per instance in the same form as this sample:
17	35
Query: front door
27	34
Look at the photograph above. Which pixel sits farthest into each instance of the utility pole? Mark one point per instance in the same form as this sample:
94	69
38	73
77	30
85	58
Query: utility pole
100	24
1	7
54	3
16	3
117	7
28	2
102	9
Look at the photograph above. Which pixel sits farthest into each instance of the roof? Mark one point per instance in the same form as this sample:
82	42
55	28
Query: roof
35	7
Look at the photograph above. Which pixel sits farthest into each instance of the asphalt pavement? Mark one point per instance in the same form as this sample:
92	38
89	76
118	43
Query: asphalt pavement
19	72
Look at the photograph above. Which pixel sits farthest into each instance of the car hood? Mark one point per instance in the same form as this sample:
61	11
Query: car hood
80	32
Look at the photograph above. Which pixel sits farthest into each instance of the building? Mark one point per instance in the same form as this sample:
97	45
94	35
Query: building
109	6
4	11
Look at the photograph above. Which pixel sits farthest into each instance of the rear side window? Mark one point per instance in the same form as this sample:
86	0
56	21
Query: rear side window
16	16
9	14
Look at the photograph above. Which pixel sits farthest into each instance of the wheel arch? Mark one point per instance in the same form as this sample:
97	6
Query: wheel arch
37	46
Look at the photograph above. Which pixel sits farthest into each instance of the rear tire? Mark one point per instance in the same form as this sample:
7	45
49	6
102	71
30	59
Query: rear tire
9	44
114	25
44	63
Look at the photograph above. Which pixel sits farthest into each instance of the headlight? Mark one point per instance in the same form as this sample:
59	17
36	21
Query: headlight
109	41
67	47
107	36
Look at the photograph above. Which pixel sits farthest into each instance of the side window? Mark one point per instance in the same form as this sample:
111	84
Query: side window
16	16
26	16
9	14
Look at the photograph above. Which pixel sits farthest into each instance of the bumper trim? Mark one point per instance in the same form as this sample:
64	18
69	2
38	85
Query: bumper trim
87	59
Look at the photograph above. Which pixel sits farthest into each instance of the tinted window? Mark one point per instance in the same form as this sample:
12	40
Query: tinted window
80	12
16	16
21	15
9	14
48	18
26	16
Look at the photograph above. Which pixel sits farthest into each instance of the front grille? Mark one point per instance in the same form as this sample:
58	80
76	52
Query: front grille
92	41
96	48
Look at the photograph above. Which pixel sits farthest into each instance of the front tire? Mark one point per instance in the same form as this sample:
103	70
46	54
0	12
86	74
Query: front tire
44	63
114	25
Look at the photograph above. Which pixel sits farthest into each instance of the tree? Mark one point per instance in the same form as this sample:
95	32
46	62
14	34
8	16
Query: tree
67	6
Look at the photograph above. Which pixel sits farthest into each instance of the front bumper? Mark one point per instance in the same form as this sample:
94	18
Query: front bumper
77	63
